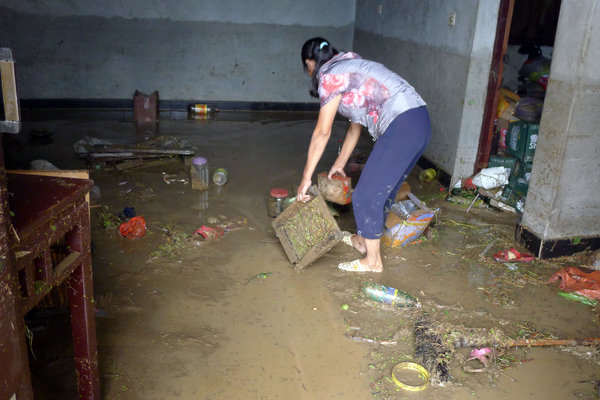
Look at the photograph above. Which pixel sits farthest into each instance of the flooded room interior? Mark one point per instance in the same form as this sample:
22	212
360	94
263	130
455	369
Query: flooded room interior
181	219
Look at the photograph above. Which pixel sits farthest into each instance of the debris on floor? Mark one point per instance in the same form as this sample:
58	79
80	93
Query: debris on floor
389	295
99	150
133	228
406	222
468	313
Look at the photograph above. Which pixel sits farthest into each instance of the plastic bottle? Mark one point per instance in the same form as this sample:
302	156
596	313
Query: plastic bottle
389	295
220	176
203	109
288	202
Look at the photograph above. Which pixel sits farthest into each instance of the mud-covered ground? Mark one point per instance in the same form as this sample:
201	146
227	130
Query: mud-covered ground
184	318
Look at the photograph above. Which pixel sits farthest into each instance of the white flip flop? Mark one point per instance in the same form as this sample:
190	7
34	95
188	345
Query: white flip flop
353	266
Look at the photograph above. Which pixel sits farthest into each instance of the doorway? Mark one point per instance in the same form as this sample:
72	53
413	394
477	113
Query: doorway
519	72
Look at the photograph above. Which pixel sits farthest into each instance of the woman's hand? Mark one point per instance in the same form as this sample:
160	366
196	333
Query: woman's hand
336	169
302	189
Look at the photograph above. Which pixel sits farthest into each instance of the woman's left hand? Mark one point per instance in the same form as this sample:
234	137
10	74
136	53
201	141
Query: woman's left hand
302	189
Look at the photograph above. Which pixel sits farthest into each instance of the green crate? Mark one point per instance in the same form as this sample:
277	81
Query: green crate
507	162
523	170
509	197
519	185
521	139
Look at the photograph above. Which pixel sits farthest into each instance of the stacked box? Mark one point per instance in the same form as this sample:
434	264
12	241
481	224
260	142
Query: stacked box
507	162
523	170
522	139
519	180
519	185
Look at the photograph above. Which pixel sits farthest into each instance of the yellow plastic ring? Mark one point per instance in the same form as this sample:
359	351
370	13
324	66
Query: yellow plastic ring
423	374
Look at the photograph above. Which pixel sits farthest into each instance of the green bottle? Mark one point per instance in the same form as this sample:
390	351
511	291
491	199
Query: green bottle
389	295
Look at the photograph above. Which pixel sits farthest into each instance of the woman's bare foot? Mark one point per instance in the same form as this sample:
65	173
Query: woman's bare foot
354	240
358	243
373	268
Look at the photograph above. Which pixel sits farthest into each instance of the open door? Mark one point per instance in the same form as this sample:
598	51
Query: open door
505	13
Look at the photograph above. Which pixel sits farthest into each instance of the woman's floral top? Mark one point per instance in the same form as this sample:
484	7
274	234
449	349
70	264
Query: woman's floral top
372	95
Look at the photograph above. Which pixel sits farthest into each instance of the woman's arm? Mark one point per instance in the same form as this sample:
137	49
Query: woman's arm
352	136
319	140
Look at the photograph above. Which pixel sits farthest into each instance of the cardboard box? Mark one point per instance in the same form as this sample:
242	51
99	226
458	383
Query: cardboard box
145	107
522	139
507	162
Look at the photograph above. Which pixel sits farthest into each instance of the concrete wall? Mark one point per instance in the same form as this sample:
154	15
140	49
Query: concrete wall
564	195
448	64
228	50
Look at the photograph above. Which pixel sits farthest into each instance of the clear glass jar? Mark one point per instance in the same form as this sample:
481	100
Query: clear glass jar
277	197
199	173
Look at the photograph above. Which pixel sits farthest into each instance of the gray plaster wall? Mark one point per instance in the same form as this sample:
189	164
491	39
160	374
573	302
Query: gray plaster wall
228	50
564	193
447	63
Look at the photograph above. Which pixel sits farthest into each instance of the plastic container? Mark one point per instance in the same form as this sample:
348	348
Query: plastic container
404	208
427	175
199	173
277	198
220	176
389	295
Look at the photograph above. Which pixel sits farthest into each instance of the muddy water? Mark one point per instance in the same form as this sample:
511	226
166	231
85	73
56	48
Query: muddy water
183	318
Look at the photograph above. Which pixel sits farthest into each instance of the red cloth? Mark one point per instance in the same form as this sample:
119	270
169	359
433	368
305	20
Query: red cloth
134	228
576	280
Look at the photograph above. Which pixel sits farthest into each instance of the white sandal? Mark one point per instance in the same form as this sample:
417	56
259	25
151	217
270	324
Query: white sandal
353	266
347	239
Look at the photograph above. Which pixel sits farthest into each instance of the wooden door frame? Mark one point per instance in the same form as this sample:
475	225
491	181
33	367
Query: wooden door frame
505	12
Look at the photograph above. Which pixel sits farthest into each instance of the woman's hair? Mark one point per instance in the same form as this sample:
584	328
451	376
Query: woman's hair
320	51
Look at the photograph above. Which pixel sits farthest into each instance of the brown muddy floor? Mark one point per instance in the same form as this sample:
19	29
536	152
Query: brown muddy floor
180	318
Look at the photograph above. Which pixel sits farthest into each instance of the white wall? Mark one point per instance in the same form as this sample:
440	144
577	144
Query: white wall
447	64
206	50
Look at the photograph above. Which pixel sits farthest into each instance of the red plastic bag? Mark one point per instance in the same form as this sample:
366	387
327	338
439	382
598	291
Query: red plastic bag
134	228
575	280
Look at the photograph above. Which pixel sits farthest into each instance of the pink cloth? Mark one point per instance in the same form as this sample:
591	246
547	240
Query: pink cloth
576	280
